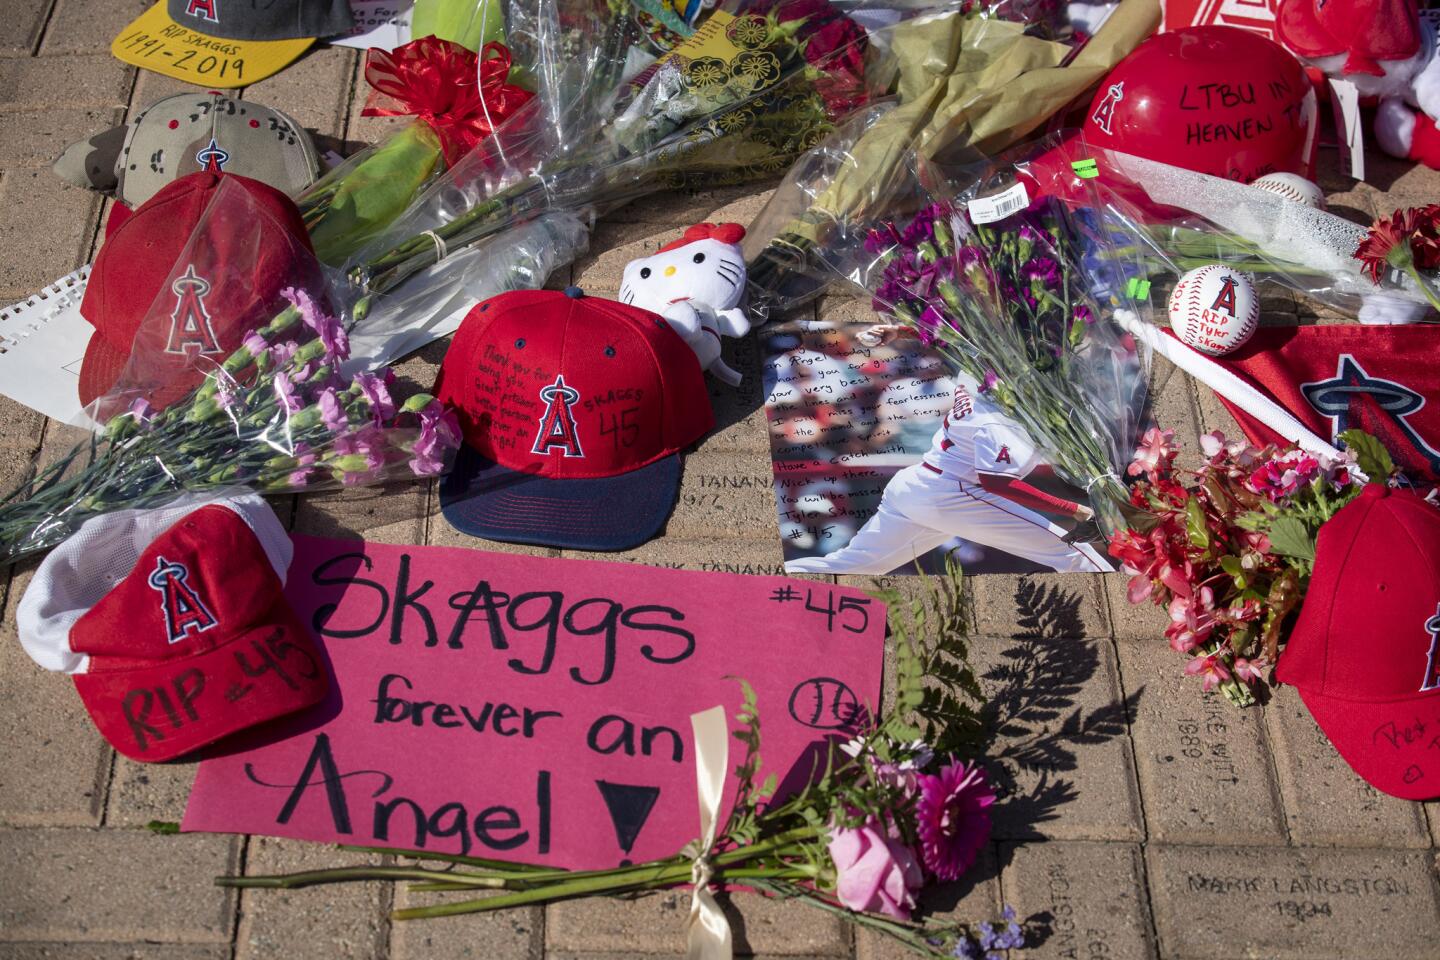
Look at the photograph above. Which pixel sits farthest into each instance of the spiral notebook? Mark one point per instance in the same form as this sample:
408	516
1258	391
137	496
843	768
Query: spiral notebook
42	343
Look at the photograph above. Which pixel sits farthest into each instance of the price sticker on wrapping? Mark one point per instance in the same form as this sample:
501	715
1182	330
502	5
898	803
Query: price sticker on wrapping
999	206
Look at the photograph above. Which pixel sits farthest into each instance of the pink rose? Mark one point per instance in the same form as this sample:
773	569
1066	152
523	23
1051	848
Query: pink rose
873	871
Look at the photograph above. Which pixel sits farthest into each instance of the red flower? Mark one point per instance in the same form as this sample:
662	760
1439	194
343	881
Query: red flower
1408	236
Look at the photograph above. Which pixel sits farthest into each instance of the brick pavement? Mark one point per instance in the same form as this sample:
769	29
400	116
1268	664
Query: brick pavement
1141	820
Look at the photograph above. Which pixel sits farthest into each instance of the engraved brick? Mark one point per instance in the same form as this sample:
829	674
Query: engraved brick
656	924
1061	758
1324	799
715	555
512	934
95	81
56	765
73	885
332	920
49	226
390	513
975	898
1301	903
80	27
725	495
1040	605
1203	765
1087	899
151	87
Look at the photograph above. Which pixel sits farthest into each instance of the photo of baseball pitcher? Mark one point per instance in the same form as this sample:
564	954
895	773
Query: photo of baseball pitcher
886	463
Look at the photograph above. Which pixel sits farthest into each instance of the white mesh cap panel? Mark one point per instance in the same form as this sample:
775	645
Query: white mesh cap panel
80	571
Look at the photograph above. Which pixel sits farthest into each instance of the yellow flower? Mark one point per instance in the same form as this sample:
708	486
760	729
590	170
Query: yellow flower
760	67
750	32
706	72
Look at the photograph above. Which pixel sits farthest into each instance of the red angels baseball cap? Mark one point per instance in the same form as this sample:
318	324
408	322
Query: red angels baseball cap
241	241
1365	652
574	411
173	624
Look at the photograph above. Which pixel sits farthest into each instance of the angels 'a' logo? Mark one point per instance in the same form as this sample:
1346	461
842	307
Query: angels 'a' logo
212	158
1003	456
1432	662
1104	114
204	9
557	423
1225	299
185	613
1354	399
190	327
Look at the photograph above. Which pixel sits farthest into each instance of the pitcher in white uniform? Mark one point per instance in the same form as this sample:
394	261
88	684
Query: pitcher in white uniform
971	485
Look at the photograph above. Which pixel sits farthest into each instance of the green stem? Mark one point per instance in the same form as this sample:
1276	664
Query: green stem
309	878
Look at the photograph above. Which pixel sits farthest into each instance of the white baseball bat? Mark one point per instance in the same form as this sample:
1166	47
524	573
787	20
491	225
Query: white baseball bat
1227	384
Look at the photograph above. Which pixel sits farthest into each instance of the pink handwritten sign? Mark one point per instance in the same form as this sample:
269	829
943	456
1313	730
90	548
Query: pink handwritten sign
532	709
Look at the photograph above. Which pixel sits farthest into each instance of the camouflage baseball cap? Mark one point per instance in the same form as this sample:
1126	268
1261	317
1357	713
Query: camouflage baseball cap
188	132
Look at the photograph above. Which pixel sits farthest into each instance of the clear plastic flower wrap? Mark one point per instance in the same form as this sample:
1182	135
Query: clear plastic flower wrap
231	379
1024	294
972	82
760	82
1185	219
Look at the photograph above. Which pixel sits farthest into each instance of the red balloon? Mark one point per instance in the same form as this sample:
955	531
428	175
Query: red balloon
1219	100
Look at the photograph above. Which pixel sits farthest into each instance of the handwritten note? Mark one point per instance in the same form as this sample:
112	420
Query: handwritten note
534	709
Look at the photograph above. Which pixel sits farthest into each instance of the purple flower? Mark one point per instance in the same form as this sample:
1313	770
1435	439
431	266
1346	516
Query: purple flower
373	388
439	434
1084	314
1029	234
882	238
225	395
283	351
304	462
331	331
255	344
289	397
951	818
332	412
988	383
1044	269
141	410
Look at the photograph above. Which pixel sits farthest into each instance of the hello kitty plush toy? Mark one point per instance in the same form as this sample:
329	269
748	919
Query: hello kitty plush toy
695	283
1387	51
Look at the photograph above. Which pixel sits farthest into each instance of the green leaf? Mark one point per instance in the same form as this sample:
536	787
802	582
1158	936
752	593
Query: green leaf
466	22
1236	569
1374	460
1290	538
1195	526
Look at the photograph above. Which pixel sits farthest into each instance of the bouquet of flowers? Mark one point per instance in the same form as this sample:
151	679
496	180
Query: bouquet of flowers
973	79
1008	298
458	99
274	415
1230	553
884	814
759	83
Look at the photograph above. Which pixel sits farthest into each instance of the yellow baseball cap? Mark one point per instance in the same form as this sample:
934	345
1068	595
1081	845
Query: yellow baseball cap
227	43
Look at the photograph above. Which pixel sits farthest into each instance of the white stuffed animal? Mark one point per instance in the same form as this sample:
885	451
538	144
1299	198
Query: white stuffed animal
695	283
1387	51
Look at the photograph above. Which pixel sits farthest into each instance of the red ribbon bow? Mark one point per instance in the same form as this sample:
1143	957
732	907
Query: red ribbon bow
438	81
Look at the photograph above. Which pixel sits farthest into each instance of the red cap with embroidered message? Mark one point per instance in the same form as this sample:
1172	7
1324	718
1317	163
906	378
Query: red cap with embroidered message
574	410
1365	653
174	625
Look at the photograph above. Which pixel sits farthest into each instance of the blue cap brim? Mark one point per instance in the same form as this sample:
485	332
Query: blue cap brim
483	499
